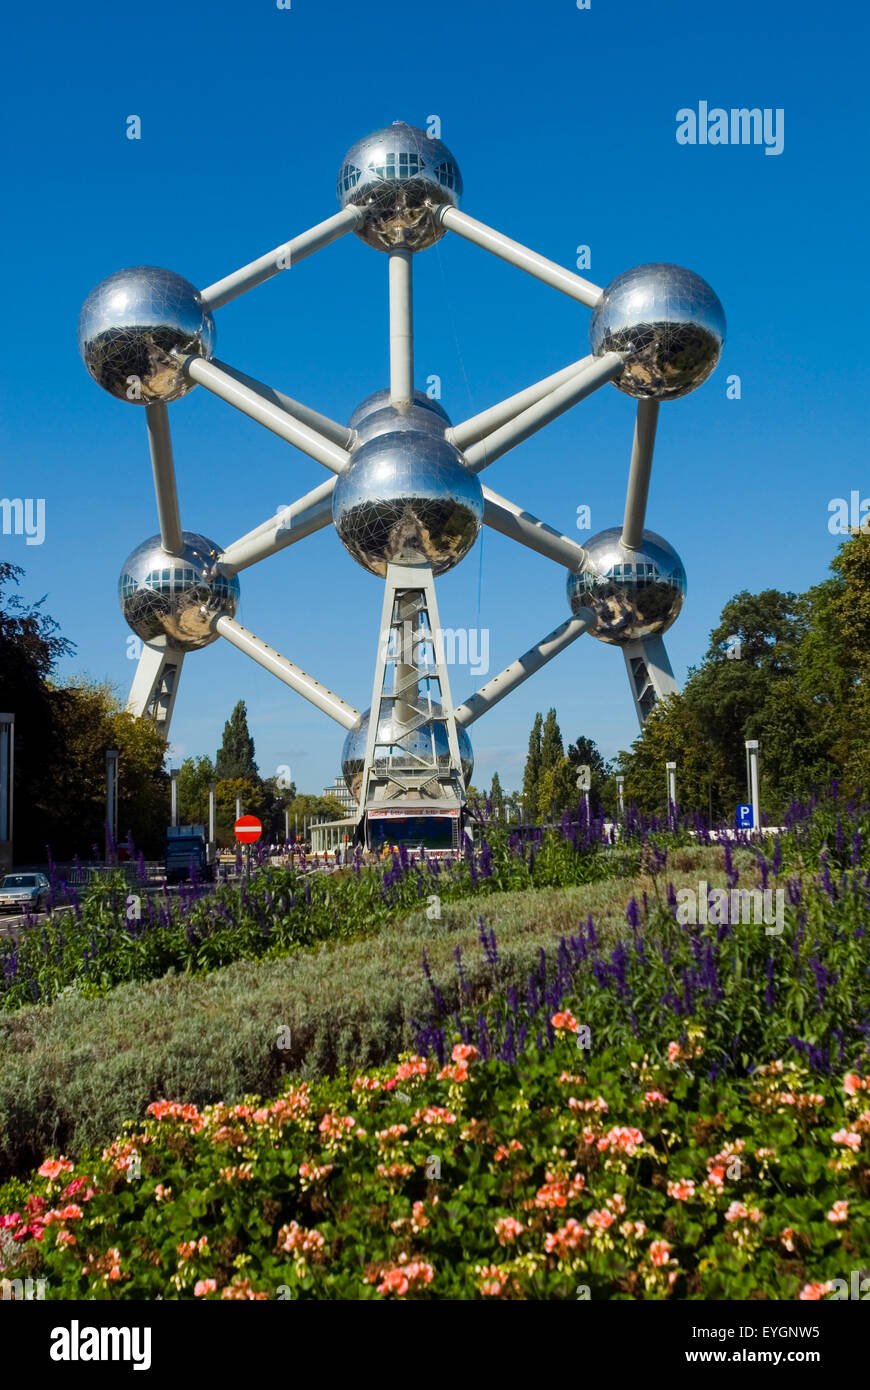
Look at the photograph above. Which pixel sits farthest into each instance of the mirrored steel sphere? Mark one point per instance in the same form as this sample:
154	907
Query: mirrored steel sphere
176	596
403	751
670	323
633	593
407	499
375	415
136	328
401	177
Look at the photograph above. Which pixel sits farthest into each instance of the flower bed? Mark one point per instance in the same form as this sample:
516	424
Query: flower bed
620	1176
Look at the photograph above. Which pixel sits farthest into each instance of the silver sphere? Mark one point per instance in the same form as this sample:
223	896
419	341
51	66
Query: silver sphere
176	596
633	593
135	329
375	415
670	323
401	177
407	499
405	749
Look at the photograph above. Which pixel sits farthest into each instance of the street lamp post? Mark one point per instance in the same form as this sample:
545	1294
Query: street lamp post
7	788
752	780
112	756
671	770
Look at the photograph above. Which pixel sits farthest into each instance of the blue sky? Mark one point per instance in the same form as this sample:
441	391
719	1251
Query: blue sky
563	122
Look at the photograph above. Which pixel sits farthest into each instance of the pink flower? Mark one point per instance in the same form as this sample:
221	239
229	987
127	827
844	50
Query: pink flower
852	1083
565	1020
53	1167
812	1292
849	1138
738	1212
654	1098
839	1212
567	1238
464	1052
622	1138
507	1228
204	1286
600	1220
682	1190
659	1251
674	1052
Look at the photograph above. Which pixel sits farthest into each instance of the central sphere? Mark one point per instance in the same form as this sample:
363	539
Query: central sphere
669	323
405	749
137	327
400	176
633	593
176	596
407	499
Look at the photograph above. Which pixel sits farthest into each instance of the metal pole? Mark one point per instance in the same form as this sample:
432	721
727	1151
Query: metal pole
510	520
671	771
238	807
401	327
173	796
599	371
163	468
752	756
7	787
212	789
298	680
520	256
286	825
342	435
520	670
645	422
111	802
222	291
265	412
620	796
302	518
476	427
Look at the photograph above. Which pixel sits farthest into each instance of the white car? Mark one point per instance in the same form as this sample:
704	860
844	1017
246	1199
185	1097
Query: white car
18	892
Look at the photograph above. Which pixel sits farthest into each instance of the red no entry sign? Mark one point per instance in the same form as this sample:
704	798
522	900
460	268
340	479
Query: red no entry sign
248	829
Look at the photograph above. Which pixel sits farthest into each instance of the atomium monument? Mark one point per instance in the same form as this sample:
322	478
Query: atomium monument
405	494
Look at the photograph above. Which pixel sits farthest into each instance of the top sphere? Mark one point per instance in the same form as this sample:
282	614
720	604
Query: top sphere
135	329
670	324
401	176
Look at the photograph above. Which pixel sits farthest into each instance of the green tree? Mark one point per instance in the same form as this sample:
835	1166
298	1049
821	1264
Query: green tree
532	772
194	777
552	749
235	756
557	790
496	796
584	752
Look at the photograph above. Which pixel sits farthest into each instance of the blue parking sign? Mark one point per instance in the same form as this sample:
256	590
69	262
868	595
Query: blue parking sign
745	818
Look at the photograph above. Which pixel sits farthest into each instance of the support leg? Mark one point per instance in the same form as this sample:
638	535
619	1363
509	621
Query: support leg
650	677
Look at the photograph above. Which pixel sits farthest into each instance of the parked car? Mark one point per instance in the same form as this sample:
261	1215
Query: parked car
21	891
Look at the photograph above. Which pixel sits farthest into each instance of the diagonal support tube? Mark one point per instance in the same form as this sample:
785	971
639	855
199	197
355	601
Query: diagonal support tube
477	426
266	412
338	434
520	525
639	471
302	518
163	467
596	372
524	259
222	291
298	680
520	670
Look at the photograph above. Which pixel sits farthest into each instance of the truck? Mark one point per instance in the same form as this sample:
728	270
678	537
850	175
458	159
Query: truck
188	853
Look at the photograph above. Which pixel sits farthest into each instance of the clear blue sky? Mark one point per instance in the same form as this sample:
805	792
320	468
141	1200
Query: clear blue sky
563	123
